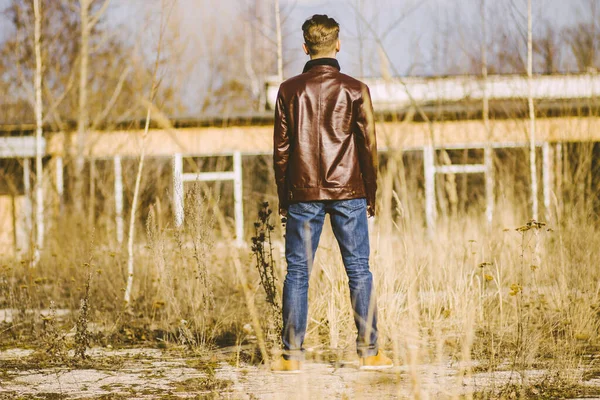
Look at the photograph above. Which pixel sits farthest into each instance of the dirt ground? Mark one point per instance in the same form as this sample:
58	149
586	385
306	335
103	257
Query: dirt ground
157	374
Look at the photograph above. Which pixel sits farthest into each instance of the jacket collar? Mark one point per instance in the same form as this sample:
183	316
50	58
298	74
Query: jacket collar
332	62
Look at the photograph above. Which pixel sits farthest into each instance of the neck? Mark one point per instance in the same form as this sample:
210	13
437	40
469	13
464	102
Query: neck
322	56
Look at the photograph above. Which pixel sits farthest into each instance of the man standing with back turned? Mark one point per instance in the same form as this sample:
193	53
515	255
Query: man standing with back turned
325	160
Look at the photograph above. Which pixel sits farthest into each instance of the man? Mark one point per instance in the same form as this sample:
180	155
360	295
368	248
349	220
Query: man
325	161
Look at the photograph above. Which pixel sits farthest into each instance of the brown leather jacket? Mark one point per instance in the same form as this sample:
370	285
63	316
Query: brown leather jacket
324	137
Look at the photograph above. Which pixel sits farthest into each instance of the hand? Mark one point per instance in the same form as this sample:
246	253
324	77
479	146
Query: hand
370	211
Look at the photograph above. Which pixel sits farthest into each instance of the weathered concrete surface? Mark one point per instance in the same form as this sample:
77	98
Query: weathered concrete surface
151	373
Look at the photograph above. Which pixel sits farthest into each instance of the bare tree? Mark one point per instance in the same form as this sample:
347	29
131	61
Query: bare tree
532	158
488	152
582	42
114	75
227	87
164	18
87	24
117	72
582	39
549	50
279	41
39	173
507	43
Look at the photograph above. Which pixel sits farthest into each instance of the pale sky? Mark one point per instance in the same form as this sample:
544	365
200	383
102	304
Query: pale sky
406	42
409	43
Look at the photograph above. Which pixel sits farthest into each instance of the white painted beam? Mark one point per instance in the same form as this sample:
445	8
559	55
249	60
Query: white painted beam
179	178
460	169
209	176
20	147
392	95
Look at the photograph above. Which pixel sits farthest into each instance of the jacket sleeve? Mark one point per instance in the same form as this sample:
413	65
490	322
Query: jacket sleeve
281	149
366	142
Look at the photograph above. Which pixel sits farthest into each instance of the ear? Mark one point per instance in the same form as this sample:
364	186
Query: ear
305	49
338	46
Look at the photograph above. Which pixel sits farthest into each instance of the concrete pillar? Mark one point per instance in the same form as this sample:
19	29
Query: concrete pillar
429	169
488	161
92	204
238	197
559	179
547	178
25	236
178	189
60	183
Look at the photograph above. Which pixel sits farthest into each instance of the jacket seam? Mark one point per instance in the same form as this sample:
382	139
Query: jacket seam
319	177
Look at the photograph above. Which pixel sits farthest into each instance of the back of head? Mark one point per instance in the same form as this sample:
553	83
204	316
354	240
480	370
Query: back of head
321	34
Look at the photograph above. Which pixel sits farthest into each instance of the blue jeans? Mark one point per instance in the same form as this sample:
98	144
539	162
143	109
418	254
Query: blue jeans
350	227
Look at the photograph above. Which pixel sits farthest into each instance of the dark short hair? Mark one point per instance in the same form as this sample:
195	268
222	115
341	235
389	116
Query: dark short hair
320	34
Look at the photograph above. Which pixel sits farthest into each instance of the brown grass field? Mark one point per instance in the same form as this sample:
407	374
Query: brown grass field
511	311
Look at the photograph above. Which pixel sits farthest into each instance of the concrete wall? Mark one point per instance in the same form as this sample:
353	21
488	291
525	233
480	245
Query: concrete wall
391	135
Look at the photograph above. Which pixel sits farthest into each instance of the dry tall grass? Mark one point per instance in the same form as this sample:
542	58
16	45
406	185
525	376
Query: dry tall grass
506	299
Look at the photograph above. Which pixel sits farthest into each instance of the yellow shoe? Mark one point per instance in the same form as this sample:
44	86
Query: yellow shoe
283	366
376	362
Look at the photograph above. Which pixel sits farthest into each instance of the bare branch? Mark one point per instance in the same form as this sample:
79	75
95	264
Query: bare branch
397	75
52	110
96	17
39	175
55	116
402	17
163	26
114	97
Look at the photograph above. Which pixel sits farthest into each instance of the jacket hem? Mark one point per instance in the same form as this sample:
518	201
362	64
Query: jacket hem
315	194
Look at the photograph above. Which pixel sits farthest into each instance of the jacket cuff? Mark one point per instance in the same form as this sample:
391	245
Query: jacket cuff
283	201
